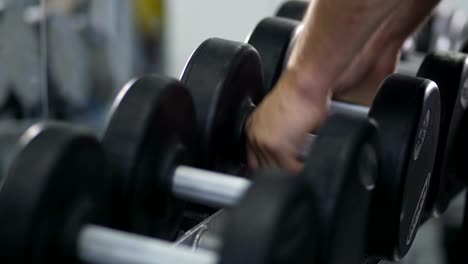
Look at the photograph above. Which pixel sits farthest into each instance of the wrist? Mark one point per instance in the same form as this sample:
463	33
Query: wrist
308	91
308	84
390	40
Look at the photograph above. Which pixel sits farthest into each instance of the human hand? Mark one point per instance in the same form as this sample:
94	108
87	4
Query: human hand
277	128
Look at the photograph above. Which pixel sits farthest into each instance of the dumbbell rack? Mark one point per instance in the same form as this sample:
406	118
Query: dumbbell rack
205	236
201	236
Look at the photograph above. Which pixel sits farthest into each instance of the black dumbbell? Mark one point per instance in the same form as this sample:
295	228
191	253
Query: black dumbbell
164	105
55	200
272	38
149	137
450	71
151	130
343	185
405	125
408	134
225	96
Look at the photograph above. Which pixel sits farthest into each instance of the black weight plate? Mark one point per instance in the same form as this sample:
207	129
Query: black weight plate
275	222
449	71
225	78
341	168
271	37
151	130
407	110
293	10
57	183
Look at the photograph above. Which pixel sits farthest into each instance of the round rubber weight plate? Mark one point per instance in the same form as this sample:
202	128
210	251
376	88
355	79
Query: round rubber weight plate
341	169
151	130
293	10
224	78
57	183
449	71
407	110
271	37
275	222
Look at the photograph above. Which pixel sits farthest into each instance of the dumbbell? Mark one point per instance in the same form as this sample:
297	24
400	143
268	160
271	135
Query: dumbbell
154	142
161	133
343	196
341	169
406	176
405	128
67	189
152	128
130	156
55	201
450	71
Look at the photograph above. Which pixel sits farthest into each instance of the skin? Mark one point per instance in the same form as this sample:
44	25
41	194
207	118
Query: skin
322	67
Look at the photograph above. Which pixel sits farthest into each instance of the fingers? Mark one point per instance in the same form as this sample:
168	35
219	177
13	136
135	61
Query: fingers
276	143
252	159
291	162
263	158
259	154
277	129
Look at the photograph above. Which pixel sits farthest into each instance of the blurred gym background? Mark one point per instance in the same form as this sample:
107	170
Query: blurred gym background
67	59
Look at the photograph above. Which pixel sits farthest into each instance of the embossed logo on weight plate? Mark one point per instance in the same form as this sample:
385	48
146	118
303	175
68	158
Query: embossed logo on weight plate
422	135
417	212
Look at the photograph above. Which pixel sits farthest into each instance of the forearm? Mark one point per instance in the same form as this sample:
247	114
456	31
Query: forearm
408	16
334	32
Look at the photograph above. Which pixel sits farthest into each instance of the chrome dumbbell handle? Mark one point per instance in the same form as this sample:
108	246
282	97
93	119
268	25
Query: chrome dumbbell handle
100	245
